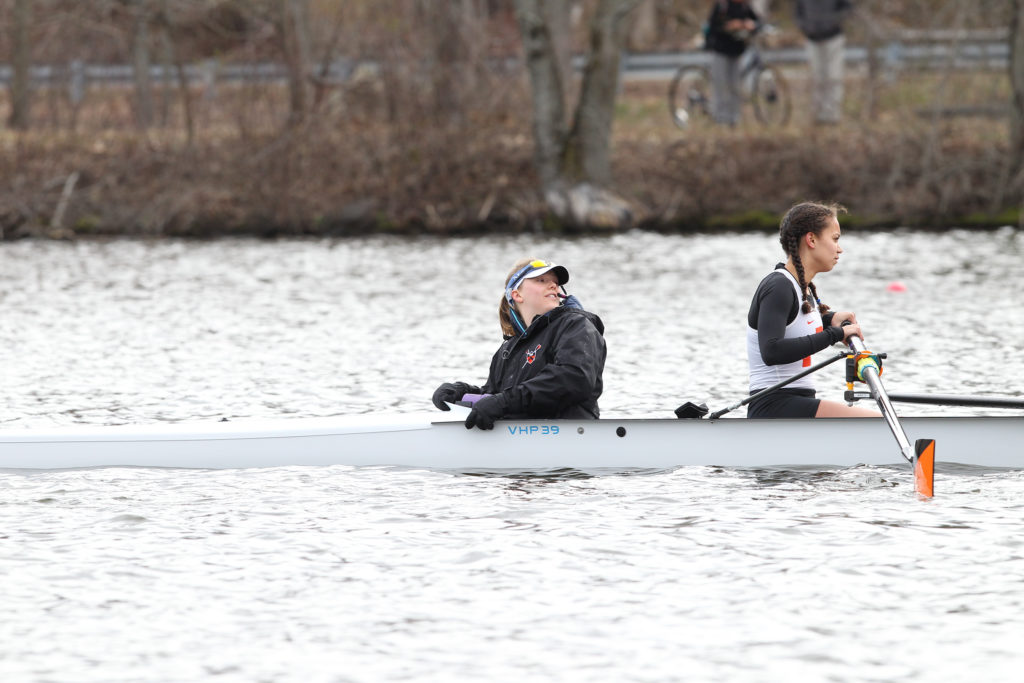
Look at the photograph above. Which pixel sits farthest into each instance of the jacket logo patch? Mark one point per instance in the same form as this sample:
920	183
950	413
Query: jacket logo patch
531	356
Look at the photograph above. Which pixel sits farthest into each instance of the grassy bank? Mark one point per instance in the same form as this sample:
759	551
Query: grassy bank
351	170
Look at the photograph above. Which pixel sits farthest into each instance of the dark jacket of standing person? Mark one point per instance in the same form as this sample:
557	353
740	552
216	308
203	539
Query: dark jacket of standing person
822	19
721	40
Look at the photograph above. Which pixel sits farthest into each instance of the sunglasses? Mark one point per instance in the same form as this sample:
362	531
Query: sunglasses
520	275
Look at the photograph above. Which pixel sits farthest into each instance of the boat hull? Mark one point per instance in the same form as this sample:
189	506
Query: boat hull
420	440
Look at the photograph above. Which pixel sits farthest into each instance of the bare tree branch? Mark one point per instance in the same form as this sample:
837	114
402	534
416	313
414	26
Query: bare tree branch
20	83
1017	85
141	63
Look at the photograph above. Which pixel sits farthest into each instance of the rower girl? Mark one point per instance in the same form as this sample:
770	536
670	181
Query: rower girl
787	322
551	361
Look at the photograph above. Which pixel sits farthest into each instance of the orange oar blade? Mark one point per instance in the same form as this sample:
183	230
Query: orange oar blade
924	467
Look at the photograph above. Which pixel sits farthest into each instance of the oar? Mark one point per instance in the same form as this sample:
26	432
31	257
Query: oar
951	400
922	455
775	387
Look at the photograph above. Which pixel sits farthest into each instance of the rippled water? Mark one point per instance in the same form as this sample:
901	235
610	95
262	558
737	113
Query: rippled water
369	574
137	332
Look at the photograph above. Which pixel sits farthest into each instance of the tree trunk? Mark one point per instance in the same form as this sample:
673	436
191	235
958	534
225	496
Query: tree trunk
546	84
163	20
588	149
294	29
140	59
449	23
1017	86
22	62
643	33
557	15
574	165
321	80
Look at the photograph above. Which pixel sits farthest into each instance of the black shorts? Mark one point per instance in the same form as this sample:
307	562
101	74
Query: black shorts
784	403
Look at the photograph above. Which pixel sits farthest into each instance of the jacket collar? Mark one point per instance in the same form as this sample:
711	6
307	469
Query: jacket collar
540	322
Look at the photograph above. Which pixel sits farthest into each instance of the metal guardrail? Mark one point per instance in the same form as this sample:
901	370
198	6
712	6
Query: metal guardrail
200	72
893	55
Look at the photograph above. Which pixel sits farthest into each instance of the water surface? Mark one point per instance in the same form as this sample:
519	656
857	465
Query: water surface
374	574
138	332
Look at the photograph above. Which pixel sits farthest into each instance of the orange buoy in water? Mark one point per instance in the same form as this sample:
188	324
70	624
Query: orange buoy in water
896	286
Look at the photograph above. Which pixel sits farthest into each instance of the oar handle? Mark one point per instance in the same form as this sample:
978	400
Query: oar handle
855	342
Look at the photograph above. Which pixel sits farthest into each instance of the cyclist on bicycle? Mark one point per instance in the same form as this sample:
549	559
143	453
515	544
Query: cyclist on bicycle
729	29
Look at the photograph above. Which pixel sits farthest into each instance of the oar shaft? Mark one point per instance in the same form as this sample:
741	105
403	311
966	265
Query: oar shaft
921	458
870	375
889	413
952	400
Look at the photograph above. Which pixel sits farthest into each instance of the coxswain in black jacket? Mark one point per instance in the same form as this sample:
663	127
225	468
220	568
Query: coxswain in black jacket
553	370
551	361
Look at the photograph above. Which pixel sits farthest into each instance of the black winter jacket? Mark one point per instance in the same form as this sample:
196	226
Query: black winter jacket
822	19
725	42
553	370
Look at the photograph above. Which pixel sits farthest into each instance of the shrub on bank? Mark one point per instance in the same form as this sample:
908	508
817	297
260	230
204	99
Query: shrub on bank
344	175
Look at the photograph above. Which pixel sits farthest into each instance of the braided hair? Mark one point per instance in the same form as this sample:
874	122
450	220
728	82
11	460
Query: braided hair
799	220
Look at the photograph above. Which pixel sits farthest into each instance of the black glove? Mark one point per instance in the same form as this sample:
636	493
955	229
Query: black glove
486	411
450	392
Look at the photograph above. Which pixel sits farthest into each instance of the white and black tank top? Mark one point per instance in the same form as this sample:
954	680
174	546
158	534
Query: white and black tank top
763	374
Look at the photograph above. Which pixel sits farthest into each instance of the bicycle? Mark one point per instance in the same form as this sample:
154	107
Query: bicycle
761	84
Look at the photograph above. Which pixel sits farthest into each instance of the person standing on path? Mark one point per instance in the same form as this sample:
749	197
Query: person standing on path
821	22
729	28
